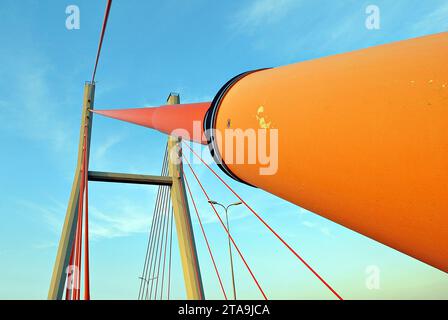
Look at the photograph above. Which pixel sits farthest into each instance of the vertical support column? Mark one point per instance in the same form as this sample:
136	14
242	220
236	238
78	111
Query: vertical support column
56	290
187	246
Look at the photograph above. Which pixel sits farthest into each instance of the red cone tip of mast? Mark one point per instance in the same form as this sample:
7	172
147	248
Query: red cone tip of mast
183	120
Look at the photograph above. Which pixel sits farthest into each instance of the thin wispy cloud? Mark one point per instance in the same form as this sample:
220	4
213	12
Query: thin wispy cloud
321	228
32	109
126	220
105	89
100	153
50	214
43	245
435	21
308	224
101	150
262	13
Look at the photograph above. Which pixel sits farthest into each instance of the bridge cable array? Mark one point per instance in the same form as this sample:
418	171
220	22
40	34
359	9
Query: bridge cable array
205	237
259	218
159	245
226	230
73	279
100	43
161	227
149	249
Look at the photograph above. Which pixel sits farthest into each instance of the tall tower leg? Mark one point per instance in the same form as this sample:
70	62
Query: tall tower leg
187	247
56	291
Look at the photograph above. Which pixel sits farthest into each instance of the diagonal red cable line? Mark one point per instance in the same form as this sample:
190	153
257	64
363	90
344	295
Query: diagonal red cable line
78	250
267	226
68	291
227	231
103	31
86	234
205	236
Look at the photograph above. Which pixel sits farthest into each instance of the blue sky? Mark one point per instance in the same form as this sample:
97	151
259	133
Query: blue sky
190	47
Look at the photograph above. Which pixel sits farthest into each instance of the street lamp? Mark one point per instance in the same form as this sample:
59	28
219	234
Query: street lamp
228	229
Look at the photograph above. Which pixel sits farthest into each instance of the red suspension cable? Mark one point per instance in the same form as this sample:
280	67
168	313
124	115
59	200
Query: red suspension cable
103	31
227	231
267	226
205	236
68	291
75	257
78	249
86	235
74	293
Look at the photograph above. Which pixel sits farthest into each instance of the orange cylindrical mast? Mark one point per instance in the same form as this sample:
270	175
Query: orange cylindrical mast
362	140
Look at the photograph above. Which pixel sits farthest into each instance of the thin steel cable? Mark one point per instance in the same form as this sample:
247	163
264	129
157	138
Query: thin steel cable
148	275
165	215
150	236
165	250
152	233
159	250
171	245
153	260
143	279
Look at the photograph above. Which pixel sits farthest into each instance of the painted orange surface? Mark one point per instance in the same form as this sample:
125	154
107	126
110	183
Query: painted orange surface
167	119
363	140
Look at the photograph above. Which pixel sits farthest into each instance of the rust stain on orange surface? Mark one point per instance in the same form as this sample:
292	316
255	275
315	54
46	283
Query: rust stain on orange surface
363	140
